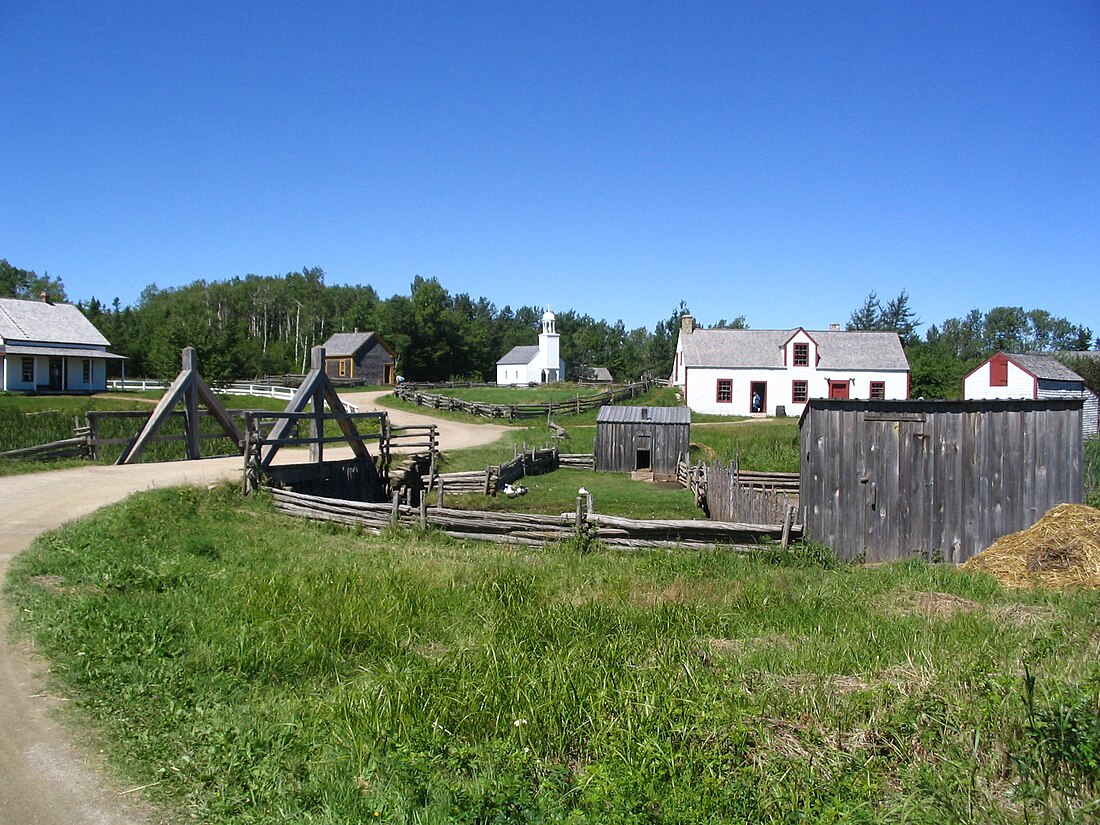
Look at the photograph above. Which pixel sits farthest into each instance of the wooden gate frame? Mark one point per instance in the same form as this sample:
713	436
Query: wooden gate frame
316	389
189	387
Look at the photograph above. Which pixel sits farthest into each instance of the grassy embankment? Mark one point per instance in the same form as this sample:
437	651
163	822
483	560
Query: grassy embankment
253	668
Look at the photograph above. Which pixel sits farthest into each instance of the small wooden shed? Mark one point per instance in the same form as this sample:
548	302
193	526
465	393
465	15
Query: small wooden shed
642	438
362	357
938	479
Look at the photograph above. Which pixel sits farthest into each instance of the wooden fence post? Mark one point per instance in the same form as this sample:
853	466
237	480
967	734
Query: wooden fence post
440	499
423	509
395	512
787	522
578	525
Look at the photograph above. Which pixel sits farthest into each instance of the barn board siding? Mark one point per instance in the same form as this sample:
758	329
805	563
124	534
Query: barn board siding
896	479
620	431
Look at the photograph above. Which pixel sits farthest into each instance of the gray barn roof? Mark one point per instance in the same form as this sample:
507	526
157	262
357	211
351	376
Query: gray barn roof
518	355
631	415
345	344
837	350
48	323
1046	367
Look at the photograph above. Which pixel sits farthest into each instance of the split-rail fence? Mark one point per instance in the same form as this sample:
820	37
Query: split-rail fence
531	529
514	412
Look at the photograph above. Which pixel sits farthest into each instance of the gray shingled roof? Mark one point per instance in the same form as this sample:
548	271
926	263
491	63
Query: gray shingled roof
1046	367
764	348
46	322
344	344
630	415
519	355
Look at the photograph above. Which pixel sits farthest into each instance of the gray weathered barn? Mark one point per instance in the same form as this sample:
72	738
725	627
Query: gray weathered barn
895	479
642	438
360	356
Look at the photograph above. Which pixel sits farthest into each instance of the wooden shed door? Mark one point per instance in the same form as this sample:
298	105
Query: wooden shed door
838	390
643	456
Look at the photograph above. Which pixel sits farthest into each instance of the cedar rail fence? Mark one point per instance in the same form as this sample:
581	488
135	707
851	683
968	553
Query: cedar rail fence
727	493
533	530
514	412
525	463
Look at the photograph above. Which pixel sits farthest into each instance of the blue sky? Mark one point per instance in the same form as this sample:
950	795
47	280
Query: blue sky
772	160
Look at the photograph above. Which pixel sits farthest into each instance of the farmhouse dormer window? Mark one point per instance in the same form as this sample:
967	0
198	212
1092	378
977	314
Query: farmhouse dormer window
802	355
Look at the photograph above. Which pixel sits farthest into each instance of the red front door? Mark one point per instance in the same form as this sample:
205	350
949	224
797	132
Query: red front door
838	390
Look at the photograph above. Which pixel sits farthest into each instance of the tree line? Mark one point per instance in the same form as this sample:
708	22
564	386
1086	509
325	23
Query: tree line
260	325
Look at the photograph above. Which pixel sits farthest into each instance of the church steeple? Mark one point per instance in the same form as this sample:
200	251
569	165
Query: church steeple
548	323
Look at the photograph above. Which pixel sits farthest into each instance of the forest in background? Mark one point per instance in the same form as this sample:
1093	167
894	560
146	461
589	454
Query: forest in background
260	325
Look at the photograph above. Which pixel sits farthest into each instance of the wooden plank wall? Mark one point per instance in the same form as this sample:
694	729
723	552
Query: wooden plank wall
615	445
935	479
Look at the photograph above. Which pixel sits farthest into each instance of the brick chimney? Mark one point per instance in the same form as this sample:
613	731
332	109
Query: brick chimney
687	324
45	296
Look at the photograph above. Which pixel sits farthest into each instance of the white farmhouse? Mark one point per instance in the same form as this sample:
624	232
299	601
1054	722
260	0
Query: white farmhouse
1031	375
540	364
776	371
48	347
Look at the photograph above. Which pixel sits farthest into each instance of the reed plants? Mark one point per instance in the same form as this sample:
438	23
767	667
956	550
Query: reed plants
248	667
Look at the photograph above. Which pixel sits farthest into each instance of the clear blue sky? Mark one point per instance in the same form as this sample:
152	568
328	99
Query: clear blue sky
772	160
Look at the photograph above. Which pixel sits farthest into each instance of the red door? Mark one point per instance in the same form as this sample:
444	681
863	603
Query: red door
838	390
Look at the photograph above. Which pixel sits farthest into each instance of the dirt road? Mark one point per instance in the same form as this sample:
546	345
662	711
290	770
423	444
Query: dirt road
48	776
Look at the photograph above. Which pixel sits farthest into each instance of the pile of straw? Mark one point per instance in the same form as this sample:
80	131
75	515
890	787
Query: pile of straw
1061	550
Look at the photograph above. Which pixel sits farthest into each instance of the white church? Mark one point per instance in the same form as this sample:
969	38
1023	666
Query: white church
534	365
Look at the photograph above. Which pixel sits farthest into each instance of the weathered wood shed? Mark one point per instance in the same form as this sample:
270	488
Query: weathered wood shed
895	479
642	438
360	356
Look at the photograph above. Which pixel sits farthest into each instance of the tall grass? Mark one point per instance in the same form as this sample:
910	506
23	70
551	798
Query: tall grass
27	421
260	669
1092	470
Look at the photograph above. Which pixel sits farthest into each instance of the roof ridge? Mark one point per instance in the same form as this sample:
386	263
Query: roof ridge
14	322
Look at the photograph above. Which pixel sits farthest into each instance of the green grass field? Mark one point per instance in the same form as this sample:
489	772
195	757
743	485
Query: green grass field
244	667
613	494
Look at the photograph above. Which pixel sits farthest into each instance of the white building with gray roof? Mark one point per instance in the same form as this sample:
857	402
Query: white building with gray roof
50	347
776	372
539	364
1031	375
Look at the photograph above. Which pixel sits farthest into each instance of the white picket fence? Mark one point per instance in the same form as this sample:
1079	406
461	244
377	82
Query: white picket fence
242	388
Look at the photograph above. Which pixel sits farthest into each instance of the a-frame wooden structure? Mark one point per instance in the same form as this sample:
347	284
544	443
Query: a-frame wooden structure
316	390
190	388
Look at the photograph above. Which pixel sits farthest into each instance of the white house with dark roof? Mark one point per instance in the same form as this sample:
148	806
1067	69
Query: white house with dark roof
776	371
50	347
1031	375
539	364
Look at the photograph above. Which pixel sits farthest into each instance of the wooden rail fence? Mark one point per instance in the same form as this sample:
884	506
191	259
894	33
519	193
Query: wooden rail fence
513	412
729	494
531	462
527	529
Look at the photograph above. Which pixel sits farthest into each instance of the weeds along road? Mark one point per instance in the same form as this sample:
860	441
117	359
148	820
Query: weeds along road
50	774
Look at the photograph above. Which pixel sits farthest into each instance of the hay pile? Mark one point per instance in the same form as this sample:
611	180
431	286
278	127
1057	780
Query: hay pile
1061	550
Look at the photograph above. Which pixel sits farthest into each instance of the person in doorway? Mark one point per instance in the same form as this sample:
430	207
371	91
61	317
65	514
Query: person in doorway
756	402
